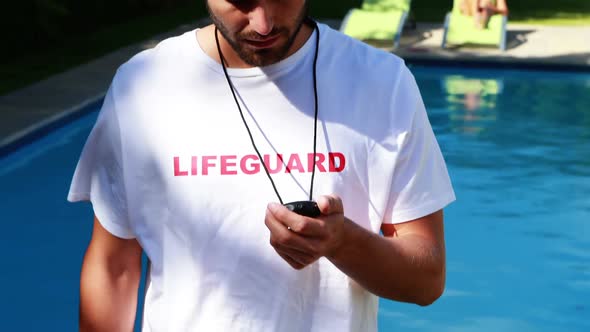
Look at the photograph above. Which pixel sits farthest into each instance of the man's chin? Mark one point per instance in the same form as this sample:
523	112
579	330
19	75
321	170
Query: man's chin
261	60
262	57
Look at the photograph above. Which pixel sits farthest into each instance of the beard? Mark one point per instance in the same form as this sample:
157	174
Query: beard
261	57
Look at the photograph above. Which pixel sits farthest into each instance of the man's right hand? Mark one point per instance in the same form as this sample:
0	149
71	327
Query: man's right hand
301	240
109	282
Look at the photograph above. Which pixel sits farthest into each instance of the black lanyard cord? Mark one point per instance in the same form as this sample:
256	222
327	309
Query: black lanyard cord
316	106
315	127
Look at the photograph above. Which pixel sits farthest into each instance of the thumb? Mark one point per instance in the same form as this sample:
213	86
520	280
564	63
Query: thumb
330	204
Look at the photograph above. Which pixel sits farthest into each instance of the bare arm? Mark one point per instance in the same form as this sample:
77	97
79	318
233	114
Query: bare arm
109	282
408	264
497	7
502	7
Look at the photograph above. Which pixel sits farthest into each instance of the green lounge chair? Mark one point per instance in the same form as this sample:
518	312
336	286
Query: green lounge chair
377	20
460	29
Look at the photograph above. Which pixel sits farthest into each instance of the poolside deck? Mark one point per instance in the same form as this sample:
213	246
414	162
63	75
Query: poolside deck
525	45
30	109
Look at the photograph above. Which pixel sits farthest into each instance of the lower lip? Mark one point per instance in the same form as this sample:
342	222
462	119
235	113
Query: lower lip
263	44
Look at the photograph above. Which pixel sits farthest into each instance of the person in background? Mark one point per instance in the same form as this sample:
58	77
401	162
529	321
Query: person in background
482	10
179	166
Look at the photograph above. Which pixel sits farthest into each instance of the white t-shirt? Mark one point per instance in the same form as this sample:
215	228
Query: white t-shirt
169	162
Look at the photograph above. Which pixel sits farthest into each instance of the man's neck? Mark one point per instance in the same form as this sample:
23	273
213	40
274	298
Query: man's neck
206	40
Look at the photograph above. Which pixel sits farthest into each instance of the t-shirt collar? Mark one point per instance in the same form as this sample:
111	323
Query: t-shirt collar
283	65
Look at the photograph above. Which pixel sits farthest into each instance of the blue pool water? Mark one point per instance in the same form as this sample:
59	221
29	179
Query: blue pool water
517	146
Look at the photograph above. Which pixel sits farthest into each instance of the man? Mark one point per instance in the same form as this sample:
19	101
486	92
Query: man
482	10
175	166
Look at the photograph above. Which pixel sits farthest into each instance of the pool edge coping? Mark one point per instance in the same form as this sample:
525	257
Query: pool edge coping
495	63
44	127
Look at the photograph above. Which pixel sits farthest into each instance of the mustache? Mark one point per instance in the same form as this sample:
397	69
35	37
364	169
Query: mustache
253	35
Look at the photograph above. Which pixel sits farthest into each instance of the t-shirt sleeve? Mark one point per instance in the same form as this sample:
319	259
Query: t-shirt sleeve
420	183
98	177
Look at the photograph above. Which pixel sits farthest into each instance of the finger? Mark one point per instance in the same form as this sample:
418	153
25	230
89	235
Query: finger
294	264
330	204
299	224
281	236
297	255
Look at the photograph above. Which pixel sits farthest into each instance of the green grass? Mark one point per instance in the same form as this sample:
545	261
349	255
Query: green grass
549	12
544	12
33	67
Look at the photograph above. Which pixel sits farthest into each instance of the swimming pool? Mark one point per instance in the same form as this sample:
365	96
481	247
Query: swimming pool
518	244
